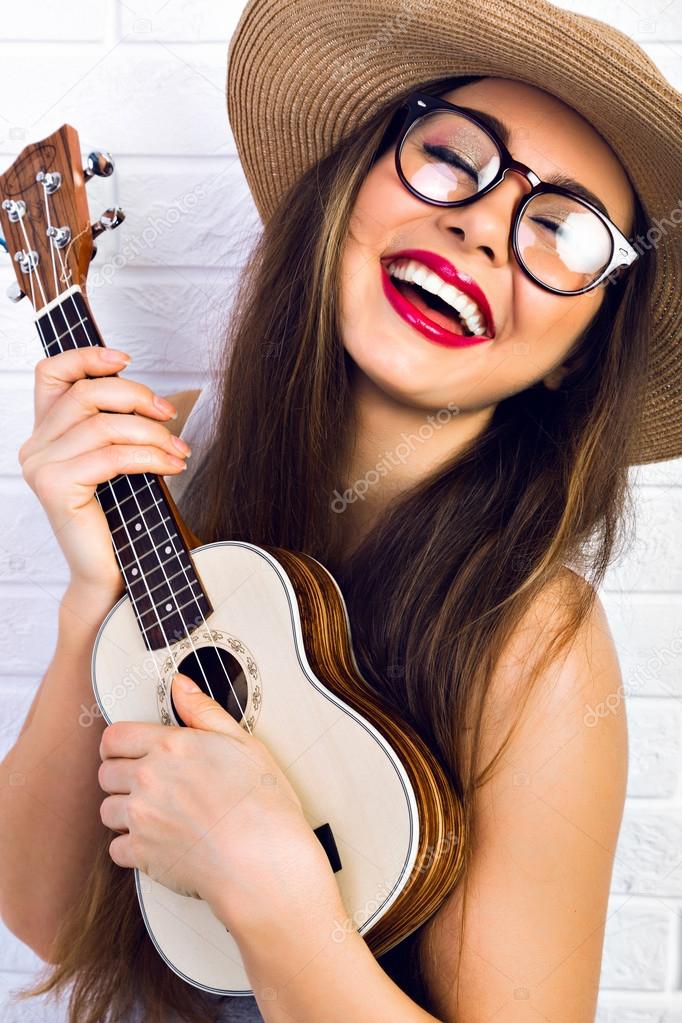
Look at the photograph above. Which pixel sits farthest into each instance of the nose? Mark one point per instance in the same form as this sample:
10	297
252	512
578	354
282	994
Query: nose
486	222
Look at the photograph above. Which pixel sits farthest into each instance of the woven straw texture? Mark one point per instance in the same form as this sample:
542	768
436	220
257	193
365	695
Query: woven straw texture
302	75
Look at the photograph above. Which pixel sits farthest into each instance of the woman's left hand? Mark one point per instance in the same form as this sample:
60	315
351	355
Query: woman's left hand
206	811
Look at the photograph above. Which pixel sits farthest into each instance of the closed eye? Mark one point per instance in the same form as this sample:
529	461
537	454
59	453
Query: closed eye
443	153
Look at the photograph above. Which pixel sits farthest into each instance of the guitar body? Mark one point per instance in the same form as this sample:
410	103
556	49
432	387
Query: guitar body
343	768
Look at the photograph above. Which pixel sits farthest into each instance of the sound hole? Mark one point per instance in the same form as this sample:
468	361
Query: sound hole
228	685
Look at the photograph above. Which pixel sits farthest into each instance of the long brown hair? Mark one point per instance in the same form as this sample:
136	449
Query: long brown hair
437	587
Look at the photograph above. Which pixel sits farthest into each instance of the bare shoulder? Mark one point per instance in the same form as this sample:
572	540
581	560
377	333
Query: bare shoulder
587	668
184	403
545	825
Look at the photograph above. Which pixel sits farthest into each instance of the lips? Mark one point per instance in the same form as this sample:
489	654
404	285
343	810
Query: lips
448	273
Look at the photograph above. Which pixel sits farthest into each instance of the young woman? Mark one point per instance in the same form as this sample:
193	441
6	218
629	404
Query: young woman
467	497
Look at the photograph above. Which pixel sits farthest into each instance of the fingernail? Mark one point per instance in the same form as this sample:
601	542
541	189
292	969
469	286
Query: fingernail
181	445
109	355
165	406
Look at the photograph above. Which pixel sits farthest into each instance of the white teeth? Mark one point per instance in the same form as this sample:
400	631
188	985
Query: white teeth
416	273
419	274
453	297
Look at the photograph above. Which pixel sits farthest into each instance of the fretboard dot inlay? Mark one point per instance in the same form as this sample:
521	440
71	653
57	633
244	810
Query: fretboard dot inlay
134	571
169	607
138	526
167	550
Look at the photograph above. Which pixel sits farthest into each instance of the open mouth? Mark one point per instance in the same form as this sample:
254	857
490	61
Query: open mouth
426	302
431	316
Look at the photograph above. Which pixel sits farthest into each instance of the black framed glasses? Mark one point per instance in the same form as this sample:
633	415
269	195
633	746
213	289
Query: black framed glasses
447	156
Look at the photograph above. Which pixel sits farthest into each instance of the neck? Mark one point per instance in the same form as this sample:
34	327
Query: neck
396	447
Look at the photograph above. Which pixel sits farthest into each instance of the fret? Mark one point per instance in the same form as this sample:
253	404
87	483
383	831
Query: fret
164	635
171	601
165	591
162	618
169	608
181	571
144	562
147	535
57	342
135	495
67	325
166	595
166	518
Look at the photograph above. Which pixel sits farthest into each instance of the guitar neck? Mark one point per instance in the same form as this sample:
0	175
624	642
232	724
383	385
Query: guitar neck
165	591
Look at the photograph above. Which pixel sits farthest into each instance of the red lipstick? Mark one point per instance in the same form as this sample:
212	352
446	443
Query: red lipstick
417	318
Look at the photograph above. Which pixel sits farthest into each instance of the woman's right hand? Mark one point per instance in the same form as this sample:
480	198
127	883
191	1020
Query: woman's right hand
84	433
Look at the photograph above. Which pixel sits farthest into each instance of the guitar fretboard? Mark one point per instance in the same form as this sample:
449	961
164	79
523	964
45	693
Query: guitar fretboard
164	589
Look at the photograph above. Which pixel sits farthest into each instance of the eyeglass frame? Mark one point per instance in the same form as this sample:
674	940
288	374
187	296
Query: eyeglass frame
420	103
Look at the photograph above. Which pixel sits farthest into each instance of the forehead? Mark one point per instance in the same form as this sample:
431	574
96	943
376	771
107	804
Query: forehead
551	137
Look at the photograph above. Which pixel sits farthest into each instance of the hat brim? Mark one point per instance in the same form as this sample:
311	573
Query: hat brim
302	77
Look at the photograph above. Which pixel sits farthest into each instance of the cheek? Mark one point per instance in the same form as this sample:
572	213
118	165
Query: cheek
385	214
548	325
385	217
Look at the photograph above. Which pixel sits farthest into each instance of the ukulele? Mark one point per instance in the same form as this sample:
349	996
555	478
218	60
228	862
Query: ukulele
262	630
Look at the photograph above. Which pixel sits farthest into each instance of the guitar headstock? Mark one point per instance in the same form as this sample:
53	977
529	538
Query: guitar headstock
45	218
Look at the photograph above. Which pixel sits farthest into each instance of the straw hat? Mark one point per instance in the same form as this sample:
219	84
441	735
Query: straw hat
303	74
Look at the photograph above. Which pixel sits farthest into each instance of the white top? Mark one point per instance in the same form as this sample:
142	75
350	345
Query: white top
196	431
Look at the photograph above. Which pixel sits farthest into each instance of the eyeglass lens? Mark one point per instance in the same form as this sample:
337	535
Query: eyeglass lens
447	157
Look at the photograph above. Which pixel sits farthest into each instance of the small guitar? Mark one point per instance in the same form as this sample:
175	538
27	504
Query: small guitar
262	630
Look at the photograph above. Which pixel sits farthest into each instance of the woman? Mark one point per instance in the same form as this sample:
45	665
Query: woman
468	553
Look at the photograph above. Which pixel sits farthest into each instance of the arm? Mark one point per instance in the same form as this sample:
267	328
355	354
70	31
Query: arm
545	829
49	814
50	791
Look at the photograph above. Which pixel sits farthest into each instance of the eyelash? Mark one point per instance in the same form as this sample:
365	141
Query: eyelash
446	154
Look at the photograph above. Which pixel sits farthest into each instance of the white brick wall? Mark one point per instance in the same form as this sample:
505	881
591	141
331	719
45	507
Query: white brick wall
147	82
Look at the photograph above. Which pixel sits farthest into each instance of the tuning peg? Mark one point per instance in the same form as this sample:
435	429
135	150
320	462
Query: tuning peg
14	292
99	164
108	221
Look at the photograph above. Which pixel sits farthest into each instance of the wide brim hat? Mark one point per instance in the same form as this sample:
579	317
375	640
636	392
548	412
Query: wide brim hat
303	75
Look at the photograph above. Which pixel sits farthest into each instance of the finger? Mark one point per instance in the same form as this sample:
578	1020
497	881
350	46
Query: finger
116	775
102	429
130	739
56	373
81	475
114	813
86	397
121	851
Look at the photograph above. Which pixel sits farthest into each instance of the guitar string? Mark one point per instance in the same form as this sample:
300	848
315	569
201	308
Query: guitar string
133	493
164	523
57	336
161	563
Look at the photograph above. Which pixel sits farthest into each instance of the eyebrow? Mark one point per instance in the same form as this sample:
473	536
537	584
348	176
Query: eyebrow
502	131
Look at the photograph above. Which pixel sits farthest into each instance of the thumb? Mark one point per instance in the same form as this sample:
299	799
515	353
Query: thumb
199	710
